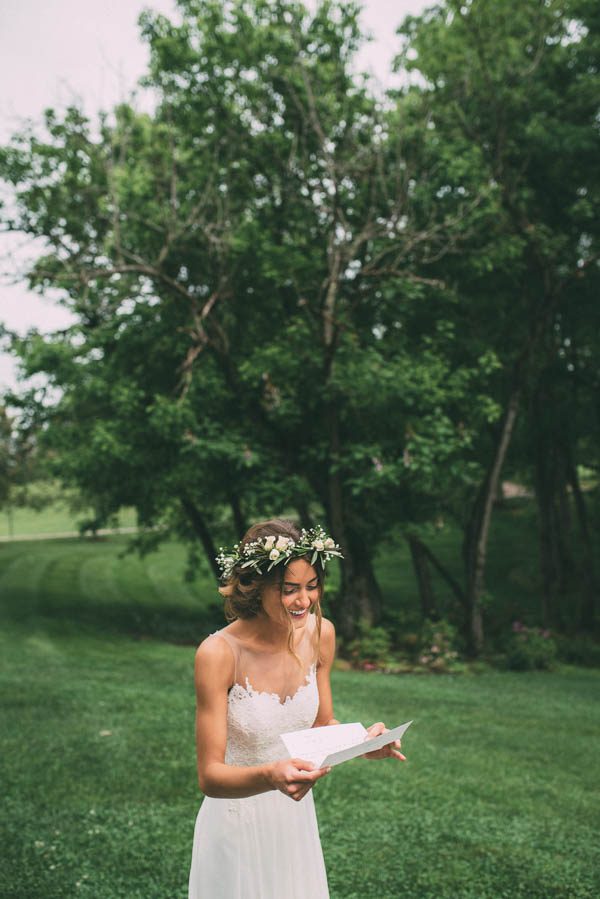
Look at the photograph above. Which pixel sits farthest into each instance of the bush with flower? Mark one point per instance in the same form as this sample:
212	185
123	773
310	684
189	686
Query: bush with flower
530	648
438	651
433	650
371	648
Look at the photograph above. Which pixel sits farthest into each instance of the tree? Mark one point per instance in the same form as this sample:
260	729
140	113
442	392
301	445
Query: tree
243	266
511	96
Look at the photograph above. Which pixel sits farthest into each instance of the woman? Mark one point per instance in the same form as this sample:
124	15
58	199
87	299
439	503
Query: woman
266	673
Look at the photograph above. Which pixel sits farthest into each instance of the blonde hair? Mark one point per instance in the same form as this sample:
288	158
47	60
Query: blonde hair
242	590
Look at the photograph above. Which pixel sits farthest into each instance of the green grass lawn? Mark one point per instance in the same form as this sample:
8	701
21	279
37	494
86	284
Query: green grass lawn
54	519
497	799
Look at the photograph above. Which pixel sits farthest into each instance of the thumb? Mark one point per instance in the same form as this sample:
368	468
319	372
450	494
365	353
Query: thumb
375	730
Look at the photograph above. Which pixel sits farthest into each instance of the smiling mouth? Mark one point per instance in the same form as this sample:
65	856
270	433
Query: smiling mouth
298	614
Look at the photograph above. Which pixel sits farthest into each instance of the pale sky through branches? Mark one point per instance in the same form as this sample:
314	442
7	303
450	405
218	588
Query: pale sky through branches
53	53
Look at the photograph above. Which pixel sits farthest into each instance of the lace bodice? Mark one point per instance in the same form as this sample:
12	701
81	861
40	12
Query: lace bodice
272	694
255	720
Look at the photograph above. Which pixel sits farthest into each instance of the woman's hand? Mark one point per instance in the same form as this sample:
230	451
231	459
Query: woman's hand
294	777
392	750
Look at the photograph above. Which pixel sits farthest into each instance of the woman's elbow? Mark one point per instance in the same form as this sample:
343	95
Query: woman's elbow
207	785
204	784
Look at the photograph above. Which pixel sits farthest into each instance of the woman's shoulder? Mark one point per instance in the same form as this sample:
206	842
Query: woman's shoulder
215	651
326	648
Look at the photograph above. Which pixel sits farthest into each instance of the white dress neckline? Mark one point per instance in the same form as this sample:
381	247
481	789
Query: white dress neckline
247	689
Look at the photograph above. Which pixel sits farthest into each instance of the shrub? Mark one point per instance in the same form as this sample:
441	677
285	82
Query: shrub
403	628
372	647
579	650
530	648
437	649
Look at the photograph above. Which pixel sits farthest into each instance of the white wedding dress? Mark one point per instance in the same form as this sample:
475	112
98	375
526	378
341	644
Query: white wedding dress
265	846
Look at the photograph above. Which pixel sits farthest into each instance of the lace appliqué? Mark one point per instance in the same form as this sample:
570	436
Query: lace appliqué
241	691
256	718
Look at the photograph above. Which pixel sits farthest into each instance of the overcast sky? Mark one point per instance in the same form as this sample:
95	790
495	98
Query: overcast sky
55	51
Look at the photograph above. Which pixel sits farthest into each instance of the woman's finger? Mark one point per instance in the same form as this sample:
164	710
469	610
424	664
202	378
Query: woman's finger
376	729
310	777
301	792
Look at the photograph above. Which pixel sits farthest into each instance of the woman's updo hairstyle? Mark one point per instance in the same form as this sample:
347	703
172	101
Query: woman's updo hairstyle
243	588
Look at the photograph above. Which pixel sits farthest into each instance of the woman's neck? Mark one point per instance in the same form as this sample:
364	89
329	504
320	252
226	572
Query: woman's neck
268	633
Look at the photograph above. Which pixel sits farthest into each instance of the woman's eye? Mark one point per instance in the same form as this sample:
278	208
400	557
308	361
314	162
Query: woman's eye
288	591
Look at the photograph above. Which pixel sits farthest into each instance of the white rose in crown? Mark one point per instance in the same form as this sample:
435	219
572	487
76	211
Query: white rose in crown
269	543
274	554
329	543
319	545
282	543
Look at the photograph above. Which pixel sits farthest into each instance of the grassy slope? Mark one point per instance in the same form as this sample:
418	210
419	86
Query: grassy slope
497	798
55	519
88	585
512	572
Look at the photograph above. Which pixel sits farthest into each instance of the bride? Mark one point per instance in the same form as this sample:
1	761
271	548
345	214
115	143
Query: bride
266	673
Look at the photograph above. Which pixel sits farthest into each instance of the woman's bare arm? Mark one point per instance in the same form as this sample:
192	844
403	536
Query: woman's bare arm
213	675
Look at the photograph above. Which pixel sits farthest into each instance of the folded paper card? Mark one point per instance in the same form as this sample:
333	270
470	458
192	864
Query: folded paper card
336	743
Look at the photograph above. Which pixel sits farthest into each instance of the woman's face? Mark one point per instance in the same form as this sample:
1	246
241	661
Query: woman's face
299	592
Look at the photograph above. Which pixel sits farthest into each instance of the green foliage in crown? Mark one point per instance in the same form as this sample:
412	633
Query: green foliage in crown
263	554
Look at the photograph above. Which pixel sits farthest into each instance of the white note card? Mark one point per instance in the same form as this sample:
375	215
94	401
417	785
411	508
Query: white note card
337	743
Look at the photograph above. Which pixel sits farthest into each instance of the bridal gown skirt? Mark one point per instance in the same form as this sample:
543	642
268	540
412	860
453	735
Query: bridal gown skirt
262	847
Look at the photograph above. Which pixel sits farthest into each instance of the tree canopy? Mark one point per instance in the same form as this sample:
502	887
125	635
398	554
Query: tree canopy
294	294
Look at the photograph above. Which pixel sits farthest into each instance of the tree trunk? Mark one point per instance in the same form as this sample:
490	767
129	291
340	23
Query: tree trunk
476	541
590	581
423	576
241	525
547	558
359	599
543	468
201	530
360	596
304	516
551	471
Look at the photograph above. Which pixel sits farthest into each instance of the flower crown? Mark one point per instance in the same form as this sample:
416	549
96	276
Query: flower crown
272	550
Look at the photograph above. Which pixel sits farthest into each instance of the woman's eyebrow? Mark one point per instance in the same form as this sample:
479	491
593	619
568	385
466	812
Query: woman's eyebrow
294	584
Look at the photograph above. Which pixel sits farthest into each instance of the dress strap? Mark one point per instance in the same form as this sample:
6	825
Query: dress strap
235	649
